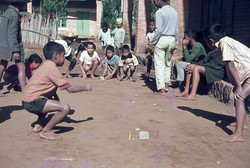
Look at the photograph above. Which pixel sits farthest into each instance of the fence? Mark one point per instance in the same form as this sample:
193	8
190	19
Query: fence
38	29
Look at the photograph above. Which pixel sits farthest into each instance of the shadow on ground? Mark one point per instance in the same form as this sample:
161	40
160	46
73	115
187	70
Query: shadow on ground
150	83
5	112
67	119
220	120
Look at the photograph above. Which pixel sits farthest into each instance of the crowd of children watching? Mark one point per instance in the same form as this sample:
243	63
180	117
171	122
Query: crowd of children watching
39	95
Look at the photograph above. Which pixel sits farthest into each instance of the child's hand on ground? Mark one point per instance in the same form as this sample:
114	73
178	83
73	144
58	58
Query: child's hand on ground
120	78
108	77
101	78
84	77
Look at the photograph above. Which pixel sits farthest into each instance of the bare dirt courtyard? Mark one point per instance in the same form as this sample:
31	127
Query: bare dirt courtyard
102	131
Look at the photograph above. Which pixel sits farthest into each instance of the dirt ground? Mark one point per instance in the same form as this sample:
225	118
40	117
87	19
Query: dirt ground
102	130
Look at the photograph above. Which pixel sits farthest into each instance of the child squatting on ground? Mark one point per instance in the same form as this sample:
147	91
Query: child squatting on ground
237	59
43	85
11	73
71	47
128	65
110	63
89	60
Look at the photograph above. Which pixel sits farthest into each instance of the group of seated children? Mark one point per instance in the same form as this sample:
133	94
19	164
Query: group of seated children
232	57
124	67
39	95
196	64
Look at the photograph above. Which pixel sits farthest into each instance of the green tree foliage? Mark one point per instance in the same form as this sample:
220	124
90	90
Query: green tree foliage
111	11
53	6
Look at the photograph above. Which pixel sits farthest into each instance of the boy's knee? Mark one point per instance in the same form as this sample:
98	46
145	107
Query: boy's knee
96	61
125	69
66	109
86	69
132	68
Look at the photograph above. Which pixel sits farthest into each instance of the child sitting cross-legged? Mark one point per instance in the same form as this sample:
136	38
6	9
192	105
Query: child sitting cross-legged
128	65
110	63
43	85
89	60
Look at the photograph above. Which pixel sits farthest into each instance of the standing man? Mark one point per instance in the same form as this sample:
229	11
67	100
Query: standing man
11	47
165	41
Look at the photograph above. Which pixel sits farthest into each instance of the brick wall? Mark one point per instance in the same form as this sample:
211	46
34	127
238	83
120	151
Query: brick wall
143	16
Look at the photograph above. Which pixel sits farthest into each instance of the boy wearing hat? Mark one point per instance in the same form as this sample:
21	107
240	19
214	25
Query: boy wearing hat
119	35
71	47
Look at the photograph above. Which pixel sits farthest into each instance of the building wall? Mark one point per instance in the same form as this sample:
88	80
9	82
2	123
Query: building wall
94	24
241	24
235	20
143	16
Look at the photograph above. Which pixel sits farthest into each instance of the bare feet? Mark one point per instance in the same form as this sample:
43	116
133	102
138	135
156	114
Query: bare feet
84	77
120	78
101	78
3	95
12	90
92	76
233	138
50	135
37	128
191	98
161	92
234	125
183	94
133	79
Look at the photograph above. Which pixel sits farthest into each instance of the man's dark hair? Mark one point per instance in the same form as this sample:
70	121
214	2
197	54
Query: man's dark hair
110	48
167	1
125	47
216	32
191	33
52	47
151	20
35	58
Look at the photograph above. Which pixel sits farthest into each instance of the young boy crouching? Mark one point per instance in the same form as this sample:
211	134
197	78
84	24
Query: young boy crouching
43	85
110	63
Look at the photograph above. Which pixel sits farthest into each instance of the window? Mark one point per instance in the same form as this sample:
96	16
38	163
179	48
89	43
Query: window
63	20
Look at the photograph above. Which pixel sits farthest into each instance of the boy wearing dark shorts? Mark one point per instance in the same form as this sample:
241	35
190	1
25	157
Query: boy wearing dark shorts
43	85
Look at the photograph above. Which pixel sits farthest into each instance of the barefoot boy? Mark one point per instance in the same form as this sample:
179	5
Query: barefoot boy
237	59
43	85
89	60
128	65
110	63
